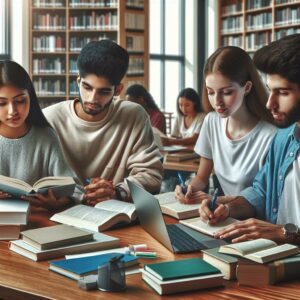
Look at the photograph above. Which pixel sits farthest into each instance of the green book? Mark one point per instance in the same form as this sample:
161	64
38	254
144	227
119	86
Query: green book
183	268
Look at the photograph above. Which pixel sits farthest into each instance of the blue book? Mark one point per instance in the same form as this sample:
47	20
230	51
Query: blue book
75	268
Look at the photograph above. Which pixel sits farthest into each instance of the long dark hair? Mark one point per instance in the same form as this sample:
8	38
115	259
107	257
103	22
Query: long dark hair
137	90
13	74
236	64
191	95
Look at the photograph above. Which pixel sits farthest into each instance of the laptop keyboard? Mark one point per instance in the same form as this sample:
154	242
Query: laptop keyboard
181	241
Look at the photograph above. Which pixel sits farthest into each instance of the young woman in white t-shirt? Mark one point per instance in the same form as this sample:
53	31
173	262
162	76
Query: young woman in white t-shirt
189	119
236	133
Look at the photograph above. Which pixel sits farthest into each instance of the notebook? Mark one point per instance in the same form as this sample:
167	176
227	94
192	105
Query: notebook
175	237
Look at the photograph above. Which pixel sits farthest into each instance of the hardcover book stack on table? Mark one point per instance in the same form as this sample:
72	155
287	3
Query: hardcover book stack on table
56	241
76	268
181	276
256	262
13	216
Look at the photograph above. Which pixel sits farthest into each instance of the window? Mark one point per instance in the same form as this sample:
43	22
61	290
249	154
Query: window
174	61
4	29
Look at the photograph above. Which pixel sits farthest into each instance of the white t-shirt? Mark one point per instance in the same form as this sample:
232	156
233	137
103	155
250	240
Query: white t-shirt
236	162
289	207
179	129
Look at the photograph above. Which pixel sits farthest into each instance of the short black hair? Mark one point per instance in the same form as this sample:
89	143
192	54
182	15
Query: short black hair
281	57
103	58
191	95
11	73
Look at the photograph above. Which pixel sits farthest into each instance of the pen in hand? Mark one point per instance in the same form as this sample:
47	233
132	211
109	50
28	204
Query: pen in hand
214	199
182	184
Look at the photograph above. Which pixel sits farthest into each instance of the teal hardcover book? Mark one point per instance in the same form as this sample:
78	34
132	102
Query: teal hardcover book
76	268
183	268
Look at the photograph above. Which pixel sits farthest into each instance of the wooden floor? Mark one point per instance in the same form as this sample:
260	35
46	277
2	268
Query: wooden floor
23	279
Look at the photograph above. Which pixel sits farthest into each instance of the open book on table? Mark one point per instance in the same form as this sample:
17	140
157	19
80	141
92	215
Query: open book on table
260	250
98	218
209	229
61	186
172	207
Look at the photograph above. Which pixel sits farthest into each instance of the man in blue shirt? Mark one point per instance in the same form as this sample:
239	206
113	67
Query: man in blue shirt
275	194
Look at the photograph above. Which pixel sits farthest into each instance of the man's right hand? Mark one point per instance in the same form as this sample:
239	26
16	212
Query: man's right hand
212	217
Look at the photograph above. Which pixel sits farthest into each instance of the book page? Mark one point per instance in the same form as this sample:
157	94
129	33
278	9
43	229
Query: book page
79	214
198	224
53	181
250	246
117	206
179	207
14	183
274	251
166	198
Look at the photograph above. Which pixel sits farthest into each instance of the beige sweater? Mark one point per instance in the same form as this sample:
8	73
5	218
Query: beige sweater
119	146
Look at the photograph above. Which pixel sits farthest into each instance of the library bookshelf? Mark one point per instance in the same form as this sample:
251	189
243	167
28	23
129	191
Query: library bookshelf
251	24
60	28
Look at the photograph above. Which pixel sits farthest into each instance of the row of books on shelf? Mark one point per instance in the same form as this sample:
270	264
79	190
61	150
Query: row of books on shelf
232	24
87	21
48	43
49	21
94	21
77	42
255	4
259	21
48	65
134	21
87	3
49	87
136	65
93	3
258	39
290	15
135	43
234	7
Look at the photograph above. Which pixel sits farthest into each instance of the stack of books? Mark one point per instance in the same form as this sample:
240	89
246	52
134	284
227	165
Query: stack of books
13	216
256	262
76	268
55	241
181	276
180	156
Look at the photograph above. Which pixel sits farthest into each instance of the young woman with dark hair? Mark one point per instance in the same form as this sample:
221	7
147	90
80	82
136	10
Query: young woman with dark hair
189	119
29	147
138	94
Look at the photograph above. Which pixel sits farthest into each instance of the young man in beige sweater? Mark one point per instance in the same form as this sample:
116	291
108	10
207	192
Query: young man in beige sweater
104	140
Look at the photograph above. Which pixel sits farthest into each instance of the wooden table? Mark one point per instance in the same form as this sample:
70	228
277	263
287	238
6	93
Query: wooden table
21	278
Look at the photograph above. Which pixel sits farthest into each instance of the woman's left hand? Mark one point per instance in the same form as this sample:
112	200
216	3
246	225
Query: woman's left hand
49	202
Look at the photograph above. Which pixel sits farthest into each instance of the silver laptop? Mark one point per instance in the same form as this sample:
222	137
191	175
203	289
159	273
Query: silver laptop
176	237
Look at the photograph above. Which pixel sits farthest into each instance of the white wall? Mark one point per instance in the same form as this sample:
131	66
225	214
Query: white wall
20	32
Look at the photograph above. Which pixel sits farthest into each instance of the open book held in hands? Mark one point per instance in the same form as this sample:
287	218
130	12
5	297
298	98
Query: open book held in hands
98	218
171	206
260	250
61	186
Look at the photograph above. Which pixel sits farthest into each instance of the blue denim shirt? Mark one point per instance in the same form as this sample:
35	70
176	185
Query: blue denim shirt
266	191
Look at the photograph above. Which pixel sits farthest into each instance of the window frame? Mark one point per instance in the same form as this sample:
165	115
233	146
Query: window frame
163	57
7	24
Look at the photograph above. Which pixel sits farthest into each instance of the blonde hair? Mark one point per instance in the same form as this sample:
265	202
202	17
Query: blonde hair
235	64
